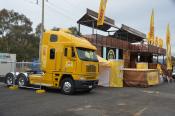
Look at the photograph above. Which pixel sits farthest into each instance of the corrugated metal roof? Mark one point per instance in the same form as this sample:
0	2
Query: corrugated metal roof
90	19
133	31
129	34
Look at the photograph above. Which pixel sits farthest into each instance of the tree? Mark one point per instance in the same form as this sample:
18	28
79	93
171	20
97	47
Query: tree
38	30
74	31
55	29
4	22
16	35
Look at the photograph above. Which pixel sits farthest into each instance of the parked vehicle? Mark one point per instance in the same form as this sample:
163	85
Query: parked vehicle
67	62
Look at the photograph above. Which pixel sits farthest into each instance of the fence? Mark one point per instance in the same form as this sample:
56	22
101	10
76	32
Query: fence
21	67
18	67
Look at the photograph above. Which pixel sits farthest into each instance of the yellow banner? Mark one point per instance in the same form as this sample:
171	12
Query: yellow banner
151	33
156	41
116	73
160	43
168	50
152	78
101	13
148	37
159	69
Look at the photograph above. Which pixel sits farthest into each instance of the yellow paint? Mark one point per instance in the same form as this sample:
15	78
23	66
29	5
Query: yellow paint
101	13
116	74
168	50
44	58
153	78
40	91
142	65
14	87
55	68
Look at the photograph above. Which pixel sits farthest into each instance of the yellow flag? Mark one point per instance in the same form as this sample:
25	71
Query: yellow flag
152	28
148	37
160	42
101	13
159	69
168	50
156	41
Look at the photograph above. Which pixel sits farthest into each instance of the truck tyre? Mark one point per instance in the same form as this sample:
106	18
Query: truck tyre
67	86
9	78
22	80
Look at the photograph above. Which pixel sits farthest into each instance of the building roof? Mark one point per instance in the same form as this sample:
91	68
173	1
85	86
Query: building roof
90	19
129	34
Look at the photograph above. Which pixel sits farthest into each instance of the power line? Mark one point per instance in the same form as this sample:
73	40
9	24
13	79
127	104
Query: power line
68	8
59	12
31	2
53	8
53	4
56	7
71	4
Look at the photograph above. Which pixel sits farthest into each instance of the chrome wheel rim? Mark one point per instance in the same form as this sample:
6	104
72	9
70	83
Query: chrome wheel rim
67	87
21	82
9	80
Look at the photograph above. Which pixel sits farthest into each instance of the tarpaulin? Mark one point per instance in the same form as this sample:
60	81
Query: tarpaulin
141	77
116	73
111	73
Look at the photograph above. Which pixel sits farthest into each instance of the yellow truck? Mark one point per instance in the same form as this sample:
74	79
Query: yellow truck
67	62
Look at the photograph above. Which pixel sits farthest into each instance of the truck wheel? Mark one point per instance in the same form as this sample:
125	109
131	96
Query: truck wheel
67	86
22	80
9	79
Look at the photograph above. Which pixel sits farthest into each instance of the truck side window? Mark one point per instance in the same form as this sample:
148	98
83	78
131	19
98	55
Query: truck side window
53	38
73	52
65	52
52	53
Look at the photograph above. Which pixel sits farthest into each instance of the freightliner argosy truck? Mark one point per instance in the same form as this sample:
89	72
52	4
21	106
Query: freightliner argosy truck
68	63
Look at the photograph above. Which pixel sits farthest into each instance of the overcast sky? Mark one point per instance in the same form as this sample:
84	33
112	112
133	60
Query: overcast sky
134	13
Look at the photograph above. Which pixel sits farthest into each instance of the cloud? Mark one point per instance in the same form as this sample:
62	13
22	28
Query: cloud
134	13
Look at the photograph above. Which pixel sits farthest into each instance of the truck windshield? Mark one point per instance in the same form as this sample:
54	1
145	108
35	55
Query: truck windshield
87	54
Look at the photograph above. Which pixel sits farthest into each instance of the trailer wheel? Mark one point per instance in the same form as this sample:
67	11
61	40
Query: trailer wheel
67	86
9	78
22	80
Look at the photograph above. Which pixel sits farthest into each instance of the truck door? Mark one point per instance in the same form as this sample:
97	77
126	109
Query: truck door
48	78
69	60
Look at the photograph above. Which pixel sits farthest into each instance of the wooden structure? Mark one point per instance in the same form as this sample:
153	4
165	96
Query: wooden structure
122	41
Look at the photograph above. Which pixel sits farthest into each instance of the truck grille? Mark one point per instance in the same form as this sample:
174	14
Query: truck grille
90	68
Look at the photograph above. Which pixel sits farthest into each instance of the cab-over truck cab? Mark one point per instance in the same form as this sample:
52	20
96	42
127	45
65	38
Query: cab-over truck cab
68	62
